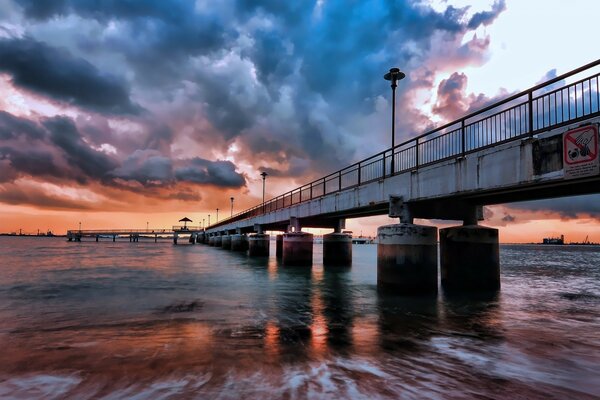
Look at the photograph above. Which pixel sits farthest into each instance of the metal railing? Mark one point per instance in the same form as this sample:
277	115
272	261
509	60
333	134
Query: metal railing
132	231
524	114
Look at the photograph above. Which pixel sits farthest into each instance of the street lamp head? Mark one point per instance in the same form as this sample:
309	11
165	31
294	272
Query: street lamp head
231	198
394	75
264	175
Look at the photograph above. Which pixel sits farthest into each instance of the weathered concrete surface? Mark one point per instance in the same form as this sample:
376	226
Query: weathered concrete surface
226	242
337	249
469	259
239	242
258	245
444	190
218	241
407	258
297	248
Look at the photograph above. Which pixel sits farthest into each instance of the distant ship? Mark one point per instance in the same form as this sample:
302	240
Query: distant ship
561	240
554	240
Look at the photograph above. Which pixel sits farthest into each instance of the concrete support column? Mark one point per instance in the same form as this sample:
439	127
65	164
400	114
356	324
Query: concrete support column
211	240
97	237
258	245
337	249
279	246
239	242
175	236
297	248
407	258
193	238
226	242
155	239
218	240
114	238
470	259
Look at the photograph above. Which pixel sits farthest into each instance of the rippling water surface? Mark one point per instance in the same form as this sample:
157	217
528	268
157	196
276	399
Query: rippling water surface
156	321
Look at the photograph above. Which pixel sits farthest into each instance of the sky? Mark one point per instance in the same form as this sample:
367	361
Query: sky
123	113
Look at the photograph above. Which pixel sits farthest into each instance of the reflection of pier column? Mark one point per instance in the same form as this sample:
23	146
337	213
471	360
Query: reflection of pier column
337	307
407	258
295	314
470	259
278	246
297	248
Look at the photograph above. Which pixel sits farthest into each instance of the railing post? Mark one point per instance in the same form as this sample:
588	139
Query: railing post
463	136
530	106
359	173
339	180
311	191
416	153
300	194
324	190
383	176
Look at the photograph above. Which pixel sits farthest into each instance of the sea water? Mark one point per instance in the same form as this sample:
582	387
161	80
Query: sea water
155	321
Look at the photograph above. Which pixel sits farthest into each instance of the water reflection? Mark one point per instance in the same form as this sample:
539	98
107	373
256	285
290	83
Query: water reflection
474	315
336	297
404	322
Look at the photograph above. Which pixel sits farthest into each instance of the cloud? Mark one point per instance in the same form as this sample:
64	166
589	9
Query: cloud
487	17
58	75
566	207
218	173
17	195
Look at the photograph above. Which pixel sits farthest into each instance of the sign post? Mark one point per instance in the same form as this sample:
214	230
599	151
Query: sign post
580	152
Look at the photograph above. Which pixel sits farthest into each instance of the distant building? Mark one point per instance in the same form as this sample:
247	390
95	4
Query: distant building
556	240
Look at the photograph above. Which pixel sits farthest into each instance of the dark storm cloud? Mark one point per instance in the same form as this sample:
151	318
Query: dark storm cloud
566	207
217	173
15	195
78	154
12	127
487	17
55	73
281	78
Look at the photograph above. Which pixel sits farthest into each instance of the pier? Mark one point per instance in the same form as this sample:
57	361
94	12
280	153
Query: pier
537	144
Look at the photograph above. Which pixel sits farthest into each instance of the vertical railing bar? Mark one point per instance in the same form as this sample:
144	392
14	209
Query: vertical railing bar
530	103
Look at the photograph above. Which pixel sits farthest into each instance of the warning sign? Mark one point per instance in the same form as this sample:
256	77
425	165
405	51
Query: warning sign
580	152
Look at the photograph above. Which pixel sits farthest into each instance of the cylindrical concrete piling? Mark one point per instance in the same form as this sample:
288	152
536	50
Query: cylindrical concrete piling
469	259
218	241
239	242
297	248
278	246
337	249
193	238
211	240
407	258
226	242
258	245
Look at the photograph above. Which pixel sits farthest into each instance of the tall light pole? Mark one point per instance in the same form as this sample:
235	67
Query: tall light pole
394	76
80	227
217	216
147	226
231	198
208	219
203	223
264	176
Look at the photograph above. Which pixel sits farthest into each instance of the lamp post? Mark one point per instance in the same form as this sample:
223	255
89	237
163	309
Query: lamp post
231	198
264	176
217	216
208	219
80	227
394	76
203	223
147	226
